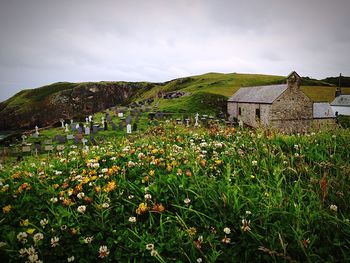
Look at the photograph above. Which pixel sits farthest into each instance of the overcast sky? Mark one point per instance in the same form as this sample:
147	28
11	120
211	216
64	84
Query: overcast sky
45	41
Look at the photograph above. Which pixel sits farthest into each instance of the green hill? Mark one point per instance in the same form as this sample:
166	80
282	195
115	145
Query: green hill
205	93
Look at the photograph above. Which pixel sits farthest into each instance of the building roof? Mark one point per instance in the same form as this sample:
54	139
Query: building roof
342	100
322	110
260	94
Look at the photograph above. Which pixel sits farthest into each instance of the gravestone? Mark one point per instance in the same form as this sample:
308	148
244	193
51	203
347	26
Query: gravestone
70	136
62	123
92	140
73	127
90	118
113	126
84	141
48	148
37	146
178	121
128	128
24	139
48	141
61	139
37	130
77	126
128	120
35	135
87	120
66	129
80	129
95	129
87	130
108	117
196	119
60	147
120	114
105	125
26	148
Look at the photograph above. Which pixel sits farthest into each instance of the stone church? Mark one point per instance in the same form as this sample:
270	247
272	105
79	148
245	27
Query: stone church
284	107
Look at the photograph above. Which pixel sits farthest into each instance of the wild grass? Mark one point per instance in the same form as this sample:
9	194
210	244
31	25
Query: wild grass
179	194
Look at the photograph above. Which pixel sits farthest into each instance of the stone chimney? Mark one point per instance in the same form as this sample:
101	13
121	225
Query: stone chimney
293	81
338	90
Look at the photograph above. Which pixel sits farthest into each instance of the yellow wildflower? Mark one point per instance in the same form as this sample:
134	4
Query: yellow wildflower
30	231
110	186
142	209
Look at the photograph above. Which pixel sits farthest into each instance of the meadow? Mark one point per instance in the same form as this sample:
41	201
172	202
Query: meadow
182	194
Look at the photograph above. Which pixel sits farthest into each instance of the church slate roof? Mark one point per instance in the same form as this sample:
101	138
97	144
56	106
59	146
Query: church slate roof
259	94
342	100
322	110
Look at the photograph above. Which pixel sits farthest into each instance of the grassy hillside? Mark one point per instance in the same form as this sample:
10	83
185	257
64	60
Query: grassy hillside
204	93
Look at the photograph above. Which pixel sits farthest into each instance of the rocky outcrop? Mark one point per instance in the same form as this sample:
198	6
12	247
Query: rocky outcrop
74	103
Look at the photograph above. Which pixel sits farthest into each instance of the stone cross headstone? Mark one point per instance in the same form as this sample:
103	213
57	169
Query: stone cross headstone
24	139
36	130
71	121
62	123
90	118
240	123
77	126
87	130
128	128
66	129
87	120
196	119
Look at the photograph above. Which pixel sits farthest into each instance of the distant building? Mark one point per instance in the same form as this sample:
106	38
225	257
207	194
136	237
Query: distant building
341	105
284	107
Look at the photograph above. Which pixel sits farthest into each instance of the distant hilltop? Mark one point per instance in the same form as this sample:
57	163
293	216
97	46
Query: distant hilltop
208	93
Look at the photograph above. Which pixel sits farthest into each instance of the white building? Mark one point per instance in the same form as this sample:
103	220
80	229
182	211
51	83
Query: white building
341	105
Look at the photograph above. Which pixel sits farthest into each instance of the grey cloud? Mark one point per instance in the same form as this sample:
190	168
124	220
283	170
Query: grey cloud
46	41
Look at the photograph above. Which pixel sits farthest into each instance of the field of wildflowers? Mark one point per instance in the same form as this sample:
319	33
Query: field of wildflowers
181	194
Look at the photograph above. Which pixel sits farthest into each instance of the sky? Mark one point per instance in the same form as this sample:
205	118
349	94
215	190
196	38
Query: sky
46	41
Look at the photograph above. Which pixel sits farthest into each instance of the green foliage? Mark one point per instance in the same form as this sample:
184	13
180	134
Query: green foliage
39	94
172	193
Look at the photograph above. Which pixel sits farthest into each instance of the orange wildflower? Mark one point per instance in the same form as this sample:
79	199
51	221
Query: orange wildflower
158	208
110	186
6	209
142	209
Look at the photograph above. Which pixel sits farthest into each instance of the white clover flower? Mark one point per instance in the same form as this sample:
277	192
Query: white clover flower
227	230
54	200
187	201
44	222
103	252
22	237
150	246
81	209
148	196
105	205
33	258
54	241
88	240
199	260
38	236
296	146
104	170
71	259
154	253
81	195
131	196
58	172
132	219
254	163
334	208
248	212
